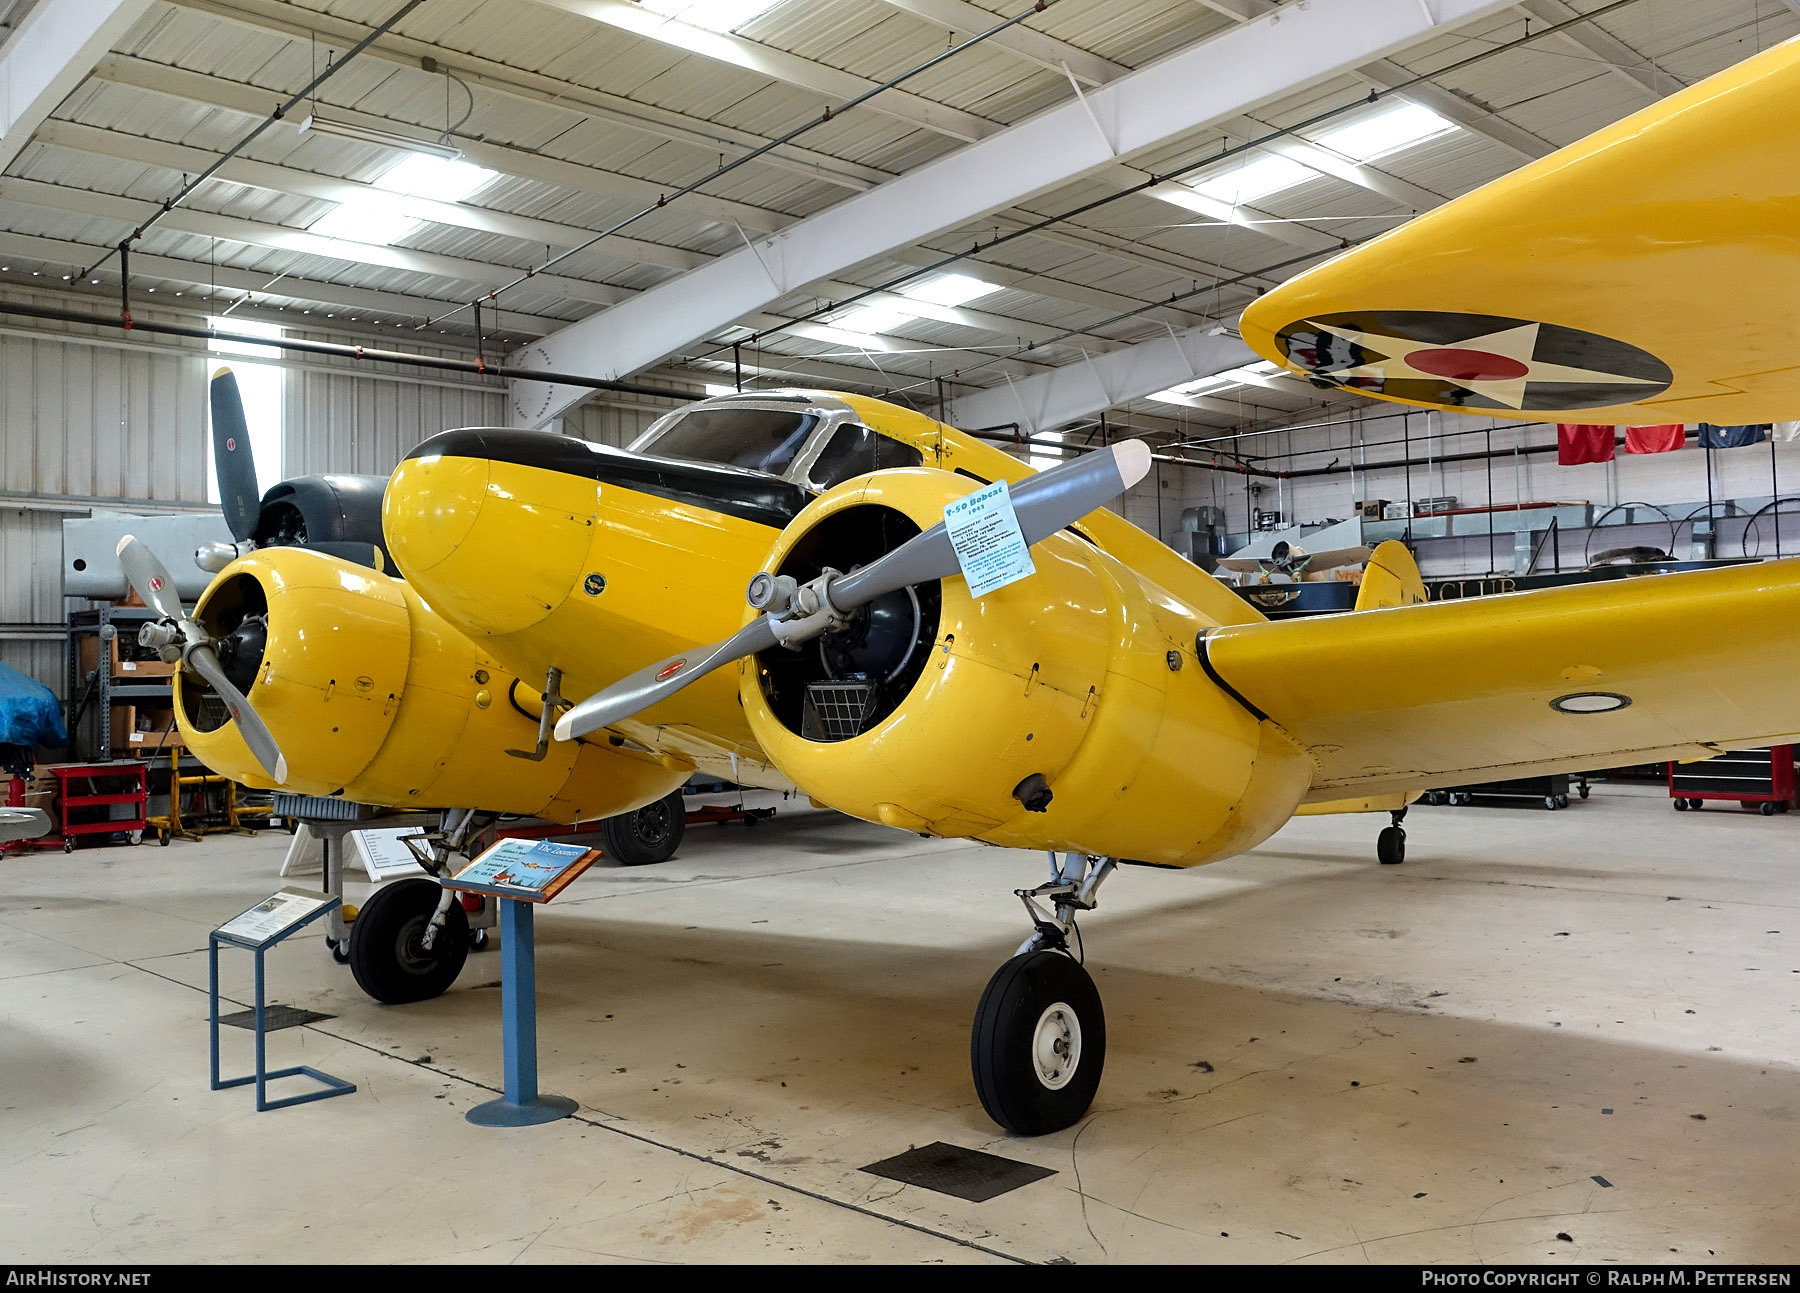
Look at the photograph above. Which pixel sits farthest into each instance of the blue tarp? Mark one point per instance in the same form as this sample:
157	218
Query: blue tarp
29	714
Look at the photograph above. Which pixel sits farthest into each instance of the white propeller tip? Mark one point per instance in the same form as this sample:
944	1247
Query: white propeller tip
123	544
281	770
1132	457
562	728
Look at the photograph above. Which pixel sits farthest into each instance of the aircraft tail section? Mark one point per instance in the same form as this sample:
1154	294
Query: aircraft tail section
1391	578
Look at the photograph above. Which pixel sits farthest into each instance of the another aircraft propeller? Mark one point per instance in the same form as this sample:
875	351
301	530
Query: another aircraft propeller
180	634
233	460
1044	503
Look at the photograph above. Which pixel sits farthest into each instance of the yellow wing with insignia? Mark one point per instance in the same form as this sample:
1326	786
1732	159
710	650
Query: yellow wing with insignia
1648	274
1597	675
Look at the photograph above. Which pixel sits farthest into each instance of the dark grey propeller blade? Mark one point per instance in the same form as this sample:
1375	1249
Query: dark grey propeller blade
1043	503
239	498
157	589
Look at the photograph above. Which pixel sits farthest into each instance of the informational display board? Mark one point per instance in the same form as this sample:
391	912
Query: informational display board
383	854
528	870
984	531
271	919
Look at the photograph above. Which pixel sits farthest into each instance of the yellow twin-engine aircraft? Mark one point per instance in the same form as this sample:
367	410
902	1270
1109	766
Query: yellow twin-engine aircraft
1118	704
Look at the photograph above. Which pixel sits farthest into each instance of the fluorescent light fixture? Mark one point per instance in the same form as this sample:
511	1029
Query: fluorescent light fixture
714	15
1398	126
318	125
1256	178
438	178
373	219
949	289
872	319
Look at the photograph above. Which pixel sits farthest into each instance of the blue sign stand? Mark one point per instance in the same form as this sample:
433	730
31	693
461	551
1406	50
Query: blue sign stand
329	1085
522	1105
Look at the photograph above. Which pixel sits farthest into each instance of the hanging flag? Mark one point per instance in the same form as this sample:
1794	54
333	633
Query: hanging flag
1659	439
1733	437
1578	443
1785	431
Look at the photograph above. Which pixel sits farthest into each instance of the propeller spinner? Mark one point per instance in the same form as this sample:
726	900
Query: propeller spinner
179	636
793	614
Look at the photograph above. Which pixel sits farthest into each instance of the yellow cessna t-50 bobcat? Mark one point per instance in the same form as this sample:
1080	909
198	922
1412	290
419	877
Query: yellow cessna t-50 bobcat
1119	704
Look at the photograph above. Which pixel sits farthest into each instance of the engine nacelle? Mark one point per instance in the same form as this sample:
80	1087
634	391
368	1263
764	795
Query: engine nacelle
371	694
949	715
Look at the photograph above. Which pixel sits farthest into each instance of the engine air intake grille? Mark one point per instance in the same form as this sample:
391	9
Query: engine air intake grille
837	711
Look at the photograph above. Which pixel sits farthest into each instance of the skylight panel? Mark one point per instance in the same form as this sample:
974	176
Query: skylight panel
438	178
949	290
377	220
872	318
714	15
1398	126
1257	178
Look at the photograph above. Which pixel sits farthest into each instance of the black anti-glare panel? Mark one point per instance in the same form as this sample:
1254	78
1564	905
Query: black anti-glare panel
275	1018
961	1173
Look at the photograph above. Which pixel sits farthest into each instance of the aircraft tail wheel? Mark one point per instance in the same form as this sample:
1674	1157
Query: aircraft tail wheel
650	834
1390	846
1039	1043
387	951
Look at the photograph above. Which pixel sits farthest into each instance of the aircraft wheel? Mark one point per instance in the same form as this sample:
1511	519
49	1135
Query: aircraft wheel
1681	805
1038	1044
1390	846
651	834
387	952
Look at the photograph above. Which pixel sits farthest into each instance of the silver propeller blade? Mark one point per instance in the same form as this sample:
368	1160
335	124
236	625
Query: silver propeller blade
1044	503
157	589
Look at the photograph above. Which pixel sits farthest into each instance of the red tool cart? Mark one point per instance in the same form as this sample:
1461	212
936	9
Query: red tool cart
87	793
1762	777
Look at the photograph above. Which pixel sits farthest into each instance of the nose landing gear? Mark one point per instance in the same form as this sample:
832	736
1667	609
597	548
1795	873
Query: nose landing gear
1038	1044
1390	845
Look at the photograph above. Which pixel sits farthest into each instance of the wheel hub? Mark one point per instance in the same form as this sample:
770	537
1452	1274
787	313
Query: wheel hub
1056	1046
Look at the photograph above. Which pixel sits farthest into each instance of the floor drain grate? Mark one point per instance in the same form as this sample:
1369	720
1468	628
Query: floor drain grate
961	1173
274	1018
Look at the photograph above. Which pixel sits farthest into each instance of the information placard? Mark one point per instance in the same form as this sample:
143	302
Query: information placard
383	854
273	917
529	870
984	531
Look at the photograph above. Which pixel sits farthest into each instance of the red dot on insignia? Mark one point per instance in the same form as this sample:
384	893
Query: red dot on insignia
155	585
230	444
1460	365
671	669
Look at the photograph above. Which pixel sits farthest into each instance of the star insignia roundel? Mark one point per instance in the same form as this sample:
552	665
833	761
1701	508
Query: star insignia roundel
1478	361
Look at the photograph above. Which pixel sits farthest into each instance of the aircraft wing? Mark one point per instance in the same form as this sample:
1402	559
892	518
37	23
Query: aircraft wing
1449	693
1647	274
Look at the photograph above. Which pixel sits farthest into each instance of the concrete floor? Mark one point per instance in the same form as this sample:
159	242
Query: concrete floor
1313	1058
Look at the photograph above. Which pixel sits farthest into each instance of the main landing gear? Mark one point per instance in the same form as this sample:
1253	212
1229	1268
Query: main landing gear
1390	845
1039	1040
411	937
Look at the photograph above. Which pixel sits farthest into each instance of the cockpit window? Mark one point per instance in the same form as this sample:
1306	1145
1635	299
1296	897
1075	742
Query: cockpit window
761	439
854	451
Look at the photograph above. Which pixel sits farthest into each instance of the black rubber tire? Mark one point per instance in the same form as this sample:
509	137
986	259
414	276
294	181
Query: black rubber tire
1584	792
1001	1043
1696	804
478	940
1768	810
1550	802
340	952
649	835
1562	801
1681	805
1390	846
385	955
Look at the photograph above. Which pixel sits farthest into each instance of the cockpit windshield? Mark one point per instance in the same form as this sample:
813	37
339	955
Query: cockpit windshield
761	439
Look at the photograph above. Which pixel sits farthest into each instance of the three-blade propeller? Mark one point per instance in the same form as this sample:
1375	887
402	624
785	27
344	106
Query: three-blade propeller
1044	503
178	632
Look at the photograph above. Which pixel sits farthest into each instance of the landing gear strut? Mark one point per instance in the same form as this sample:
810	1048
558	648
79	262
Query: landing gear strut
1390	845
411	938
1039	1041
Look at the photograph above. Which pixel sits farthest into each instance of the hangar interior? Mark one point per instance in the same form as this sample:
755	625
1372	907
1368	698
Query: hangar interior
1562	1031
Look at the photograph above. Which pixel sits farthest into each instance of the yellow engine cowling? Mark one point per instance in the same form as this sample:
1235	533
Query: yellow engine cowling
372	695
1082	674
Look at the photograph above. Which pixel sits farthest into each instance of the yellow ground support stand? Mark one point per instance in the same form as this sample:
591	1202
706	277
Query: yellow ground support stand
170	826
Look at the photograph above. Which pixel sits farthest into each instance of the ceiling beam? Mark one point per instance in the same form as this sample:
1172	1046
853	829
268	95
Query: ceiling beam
271	178
709	137
780	65
1411	196
964	19
1080	390
256	103
1619	59
256	233
257	284
51	53
1384	74
1218	78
